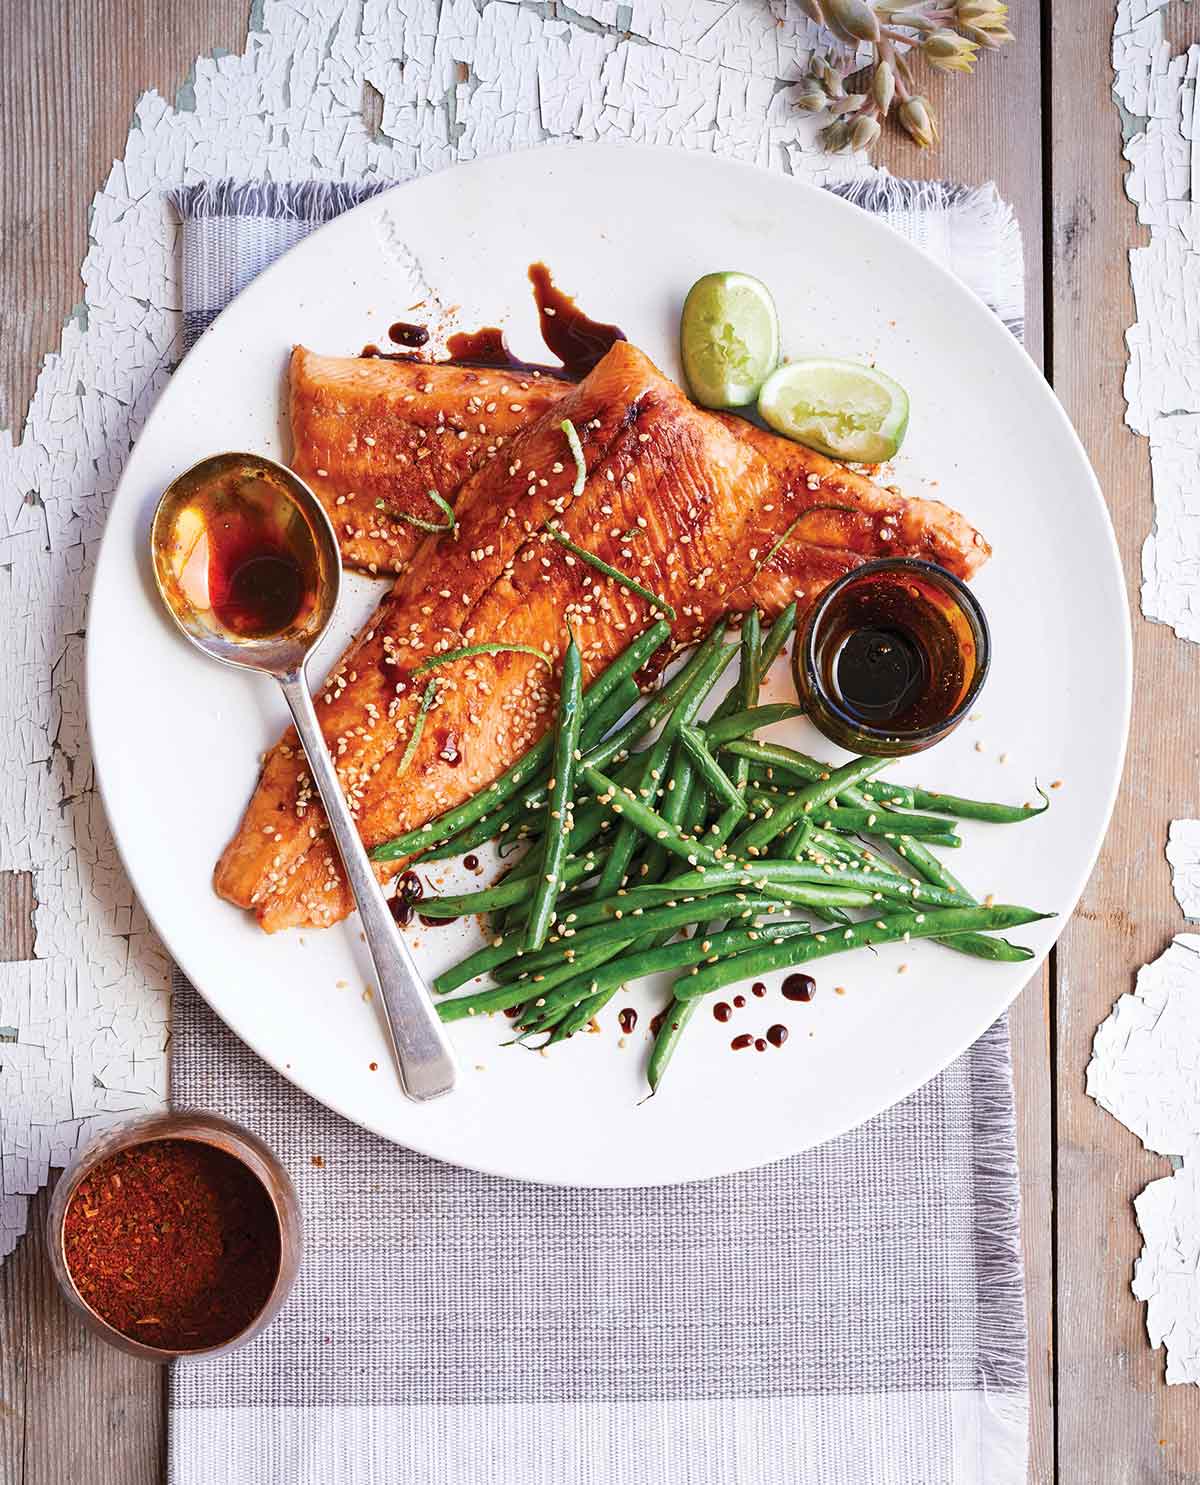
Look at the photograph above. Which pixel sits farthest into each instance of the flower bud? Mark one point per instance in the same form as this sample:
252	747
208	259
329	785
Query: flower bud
913	20
851	103
811	97
976	11
829	78
989	39
855	17
948	51
835	137
919	121
865	132
883	86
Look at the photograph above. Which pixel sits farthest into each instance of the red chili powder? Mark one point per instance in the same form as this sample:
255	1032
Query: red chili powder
174	1243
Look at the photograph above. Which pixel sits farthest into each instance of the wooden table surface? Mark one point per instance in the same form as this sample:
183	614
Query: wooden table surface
1039	120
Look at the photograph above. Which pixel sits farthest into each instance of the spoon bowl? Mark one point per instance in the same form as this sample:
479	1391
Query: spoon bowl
216	523
247	564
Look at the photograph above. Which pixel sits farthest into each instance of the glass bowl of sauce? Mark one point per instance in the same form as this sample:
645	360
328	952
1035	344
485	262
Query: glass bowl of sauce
891	657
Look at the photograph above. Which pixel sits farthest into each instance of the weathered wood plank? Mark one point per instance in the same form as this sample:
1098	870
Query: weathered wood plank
16	915
1117	1420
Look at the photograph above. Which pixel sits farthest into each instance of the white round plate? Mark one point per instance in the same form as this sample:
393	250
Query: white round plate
177	738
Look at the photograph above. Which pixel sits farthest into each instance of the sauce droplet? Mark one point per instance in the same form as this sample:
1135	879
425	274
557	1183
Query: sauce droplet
739	1002
740	1043
656	1023
404	333
409	890
760	1044
777	1035
758	988
628	1019
722	1010
471	863
799	987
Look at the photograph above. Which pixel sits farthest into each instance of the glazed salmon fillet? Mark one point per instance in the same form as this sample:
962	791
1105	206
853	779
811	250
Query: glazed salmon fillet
708	512
366	430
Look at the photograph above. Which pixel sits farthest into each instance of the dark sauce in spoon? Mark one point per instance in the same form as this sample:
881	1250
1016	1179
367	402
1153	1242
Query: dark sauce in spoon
256	589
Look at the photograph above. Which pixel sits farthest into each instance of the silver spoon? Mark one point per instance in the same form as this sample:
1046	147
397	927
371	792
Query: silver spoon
264	605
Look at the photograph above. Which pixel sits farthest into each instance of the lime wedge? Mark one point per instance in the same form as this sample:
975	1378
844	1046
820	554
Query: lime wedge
840	408
728	338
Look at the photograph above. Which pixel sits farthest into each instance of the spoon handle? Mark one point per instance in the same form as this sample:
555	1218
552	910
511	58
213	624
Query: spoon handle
423	1054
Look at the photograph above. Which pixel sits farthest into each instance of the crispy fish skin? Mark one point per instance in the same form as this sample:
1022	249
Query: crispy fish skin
366	429
692	505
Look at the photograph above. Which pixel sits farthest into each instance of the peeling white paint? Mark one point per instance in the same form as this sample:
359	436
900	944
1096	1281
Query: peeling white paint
1183	852
1167	1275
1145	1070
1145	1067
1158	98
458	78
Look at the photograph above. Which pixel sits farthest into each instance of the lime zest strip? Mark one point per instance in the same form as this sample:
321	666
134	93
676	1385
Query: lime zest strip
577	454
481	649
427	702
450	523
611	572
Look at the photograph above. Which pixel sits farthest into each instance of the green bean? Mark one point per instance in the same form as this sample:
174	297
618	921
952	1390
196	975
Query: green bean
439	830
622	968
624	802
712	658
762	959
878	822
759	875
562	796
666	1040
577	1019
716	780
979	809
976	945
801	766
512	889
505	997
651	920
927	865
731	726
757	836
777	636
808	770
